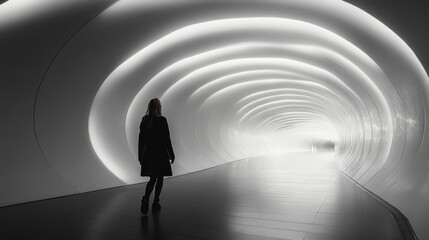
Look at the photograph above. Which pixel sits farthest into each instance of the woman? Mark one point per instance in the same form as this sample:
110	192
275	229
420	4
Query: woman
155	153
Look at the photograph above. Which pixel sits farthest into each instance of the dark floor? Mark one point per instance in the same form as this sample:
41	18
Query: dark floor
294	196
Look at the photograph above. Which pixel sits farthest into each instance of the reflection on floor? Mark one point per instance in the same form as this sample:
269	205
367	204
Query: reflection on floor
294	196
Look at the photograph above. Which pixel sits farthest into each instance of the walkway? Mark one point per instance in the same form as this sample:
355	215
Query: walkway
294	196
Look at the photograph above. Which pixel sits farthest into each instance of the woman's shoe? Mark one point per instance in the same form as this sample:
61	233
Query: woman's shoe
156	206
145	205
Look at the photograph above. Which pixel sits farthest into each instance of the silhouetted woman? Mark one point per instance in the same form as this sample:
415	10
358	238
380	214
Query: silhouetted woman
155	153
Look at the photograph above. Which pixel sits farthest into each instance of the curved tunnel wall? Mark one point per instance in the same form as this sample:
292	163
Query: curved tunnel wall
236	79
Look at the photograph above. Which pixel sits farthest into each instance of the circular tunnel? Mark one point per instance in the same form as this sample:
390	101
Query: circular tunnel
216	81
237	80
309	76
253	85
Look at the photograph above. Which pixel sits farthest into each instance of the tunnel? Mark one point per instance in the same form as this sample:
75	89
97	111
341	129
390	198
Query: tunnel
237	80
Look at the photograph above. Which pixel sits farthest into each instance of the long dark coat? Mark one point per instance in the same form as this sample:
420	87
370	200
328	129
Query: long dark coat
155	149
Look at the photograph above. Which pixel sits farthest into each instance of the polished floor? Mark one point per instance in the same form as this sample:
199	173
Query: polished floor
294	196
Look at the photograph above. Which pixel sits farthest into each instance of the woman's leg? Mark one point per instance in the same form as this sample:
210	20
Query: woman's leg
145	200
149	187
158	188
